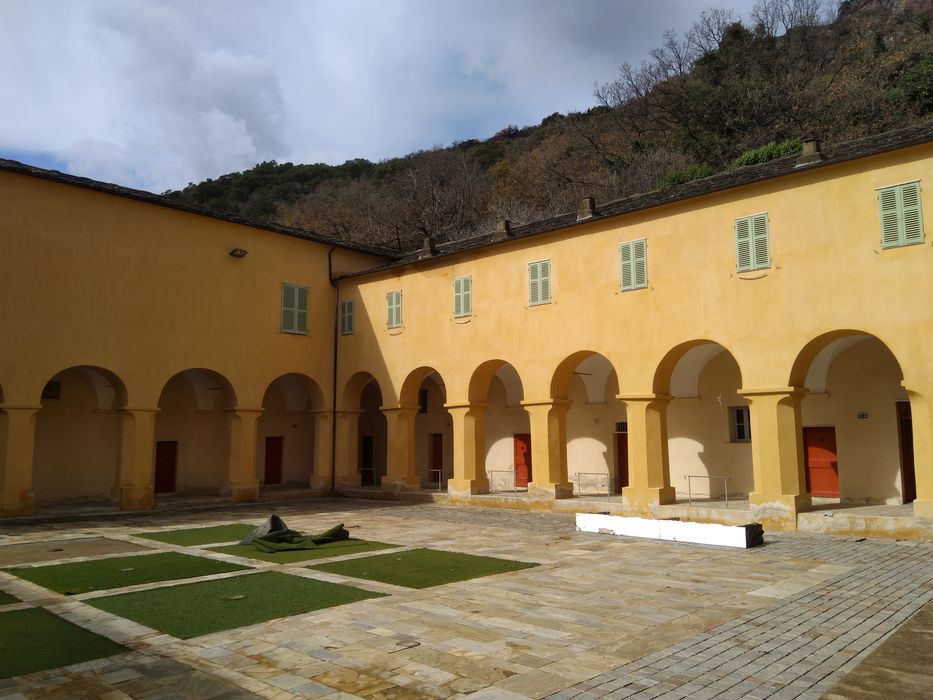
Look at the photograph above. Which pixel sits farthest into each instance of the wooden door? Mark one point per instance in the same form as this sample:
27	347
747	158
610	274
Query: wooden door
166	466
435	456
273	474
367	473
622	458
819	446
522	444
905	434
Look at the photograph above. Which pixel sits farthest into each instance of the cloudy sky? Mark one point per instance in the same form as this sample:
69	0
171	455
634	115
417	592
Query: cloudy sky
158	93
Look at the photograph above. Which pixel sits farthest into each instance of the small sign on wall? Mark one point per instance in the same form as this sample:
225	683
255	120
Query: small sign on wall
862	415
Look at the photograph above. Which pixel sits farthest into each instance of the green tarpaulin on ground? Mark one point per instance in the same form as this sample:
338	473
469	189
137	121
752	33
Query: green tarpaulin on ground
284	540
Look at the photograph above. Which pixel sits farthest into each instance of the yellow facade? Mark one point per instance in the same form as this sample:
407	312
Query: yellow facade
157	335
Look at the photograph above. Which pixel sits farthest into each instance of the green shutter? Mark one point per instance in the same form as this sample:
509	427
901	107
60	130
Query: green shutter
462	293
913	216
534	285
626	271
458	296
394	309
761	250
301	310
640	264
288	307
890	217
346	317
743	245
467	289
545	274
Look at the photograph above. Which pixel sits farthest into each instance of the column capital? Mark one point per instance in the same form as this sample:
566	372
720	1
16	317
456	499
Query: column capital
322	412
243	410
469	405
138	409
348	411
20	407
644	398
773	391
400	409
555	403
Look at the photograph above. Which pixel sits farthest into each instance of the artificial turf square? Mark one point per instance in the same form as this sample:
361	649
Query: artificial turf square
192	609
102	574
422	568
35	639
289	556
6	598
193	537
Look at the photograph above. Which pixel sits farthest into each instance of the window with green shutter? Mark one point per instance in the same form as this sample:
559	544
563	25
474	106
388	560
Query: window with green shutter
752	248
463	296
294	308
394	309
901	215
346	317
633	265
539	282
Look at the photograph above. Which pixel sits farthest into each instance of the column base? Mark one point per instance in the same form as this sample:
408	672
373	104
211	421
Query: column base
923	509
24	505
777	512
549	492
645	501
246	491
460	488
132	498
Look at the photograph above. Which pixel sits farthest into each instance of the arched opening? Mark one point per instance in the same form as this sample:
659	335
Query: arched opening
362	393
192	433
856	418
708	426
597	430
508	427
434	449
77	443
285	448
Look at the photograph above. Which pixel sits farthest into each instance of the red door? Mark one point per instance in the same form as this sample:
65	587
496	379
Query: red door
905	433
166	464
819	446
522	442
435	457
622	458
273	460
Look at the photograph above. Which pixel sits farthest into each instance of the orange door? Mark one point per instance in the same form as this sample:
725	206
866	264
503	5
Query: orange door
522	443
622	458
166	463
822	468
435	456
273	460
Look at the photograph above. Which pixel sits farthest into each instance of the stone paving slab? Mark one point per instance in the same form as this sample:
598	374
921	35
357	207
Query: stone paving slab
53	550
601	617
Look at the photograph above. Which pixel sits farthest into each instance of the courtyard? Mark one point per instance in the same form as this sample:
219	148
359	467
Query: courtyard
559	614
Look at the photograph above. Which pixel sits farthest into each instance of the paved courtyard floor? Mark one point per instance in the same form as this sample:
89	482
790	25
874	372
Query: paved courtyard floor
802	616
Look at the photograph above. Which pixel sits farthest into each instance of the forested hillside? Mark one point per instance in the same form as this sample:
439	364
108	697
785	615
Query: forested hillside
724	95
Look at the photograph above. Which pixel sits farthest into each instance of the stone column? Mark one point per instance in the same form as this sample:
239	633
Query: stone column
348	445
241	465
548	449
777	456
137	445
320	477
16	494
649	473
921	419
469	436
401	473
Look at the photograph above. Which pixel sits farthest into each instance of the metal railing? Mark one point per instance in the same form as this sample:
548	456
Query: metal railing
604	483
509	480
440	476
725	486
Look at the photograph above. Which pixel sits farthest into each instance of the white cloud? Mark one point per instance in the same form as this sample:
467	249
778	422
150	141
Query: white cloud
157	93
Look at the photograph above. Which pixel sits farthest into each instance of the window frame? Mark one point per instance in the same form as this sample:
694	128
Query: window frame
736	412
631	265
544	282
463	296
296	327
900	215
752	238
347	317
394	309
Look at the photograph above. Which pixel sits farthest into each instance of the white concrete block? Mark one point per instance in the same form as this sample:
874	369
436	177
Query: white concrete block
742	536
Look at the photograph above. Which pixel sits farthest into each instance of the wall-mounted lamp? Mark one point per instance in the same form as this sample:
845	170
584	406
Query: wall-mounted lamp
238	253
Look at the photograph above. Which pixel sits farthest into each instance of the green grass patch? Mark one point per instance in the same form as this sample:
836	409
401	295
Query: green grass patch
329	549
422	568
6	598
35	639
192	609
193	537
102	574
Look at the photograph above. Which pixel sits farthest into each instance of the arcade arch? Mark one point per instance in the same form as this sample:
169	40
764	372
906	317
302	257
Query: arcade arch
285	450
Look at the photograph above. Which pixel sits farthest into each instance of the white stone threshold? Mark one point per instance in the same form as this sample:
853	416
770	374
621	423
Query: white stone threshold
742	536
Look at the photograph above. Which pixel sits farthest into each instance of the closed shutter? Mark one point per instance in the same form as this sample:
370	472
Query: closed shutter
301	310
752	247
463	305
901	215
394	315
626	273
346	317
633	265
288	307
534	284
545	274
743	245
890	217
761	249
913	216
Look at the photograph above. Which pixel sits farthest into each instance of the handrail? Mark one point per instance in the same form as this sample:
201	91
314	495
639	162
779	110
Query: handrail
602	475
725	486
440	475
510	472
